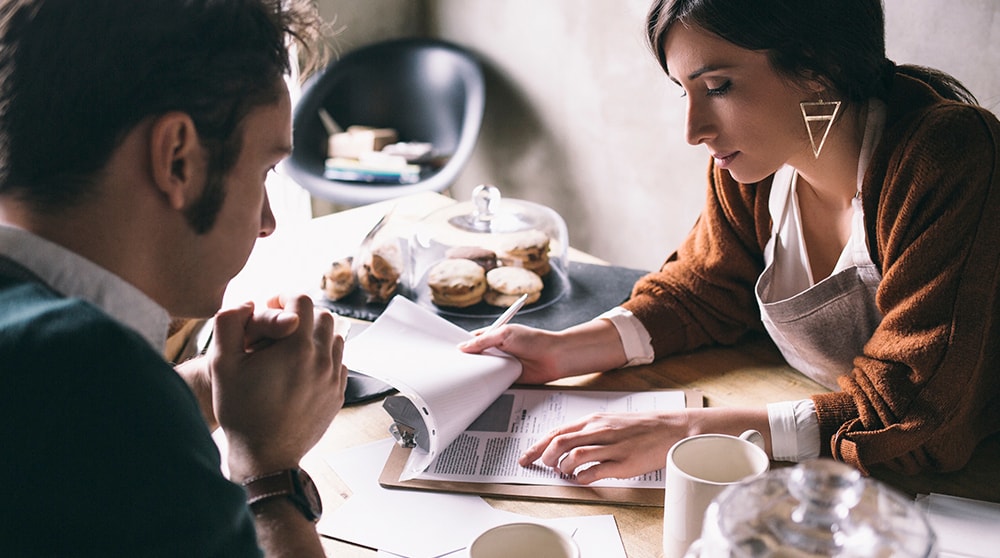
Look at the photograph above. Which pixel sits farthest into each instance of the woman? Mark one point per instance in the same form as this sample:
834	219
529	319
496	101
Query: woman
851	214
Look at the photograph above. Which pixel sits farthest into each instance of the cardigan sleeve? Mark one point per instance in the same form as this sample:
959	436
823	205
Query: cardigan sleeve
703	293
925	390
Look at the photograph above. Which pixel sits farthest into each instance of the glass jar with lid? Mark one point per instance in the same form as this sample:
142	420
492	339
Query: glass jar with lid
820	507
495	232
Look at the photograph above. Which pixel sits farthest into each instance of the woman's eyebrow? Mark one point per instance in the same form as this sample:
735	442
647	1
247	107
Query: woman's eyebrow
696	74
703	70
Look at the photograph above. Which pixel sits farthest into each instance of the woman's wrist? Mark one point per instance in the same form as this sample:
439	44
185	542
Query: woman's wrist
592	346
635	339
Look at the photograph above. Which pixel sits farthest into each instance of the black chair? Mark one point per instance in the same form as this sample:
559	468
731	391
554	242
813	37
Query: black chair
427	90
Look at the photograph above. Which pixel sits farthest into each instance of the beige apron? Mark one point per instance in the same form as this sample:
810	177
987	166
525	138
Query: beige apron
822	328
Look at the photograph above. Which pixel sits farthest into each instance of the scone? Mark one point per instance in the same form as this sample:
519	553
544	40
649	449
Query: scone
456	282
338	280
486	258
506	284
529	250
379	273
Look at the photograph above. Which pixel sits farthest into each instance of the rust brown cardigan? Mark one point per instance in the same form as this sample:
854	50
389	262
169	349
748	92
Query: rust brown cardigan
926	388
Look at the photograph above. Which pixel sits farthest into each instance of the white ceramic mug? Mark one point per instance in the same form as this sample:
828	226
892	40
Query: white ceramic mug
698	469
523	540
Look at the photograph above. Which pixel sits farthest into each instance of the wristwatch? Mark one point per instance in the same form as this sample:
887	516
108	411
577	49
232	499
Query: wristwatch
293	484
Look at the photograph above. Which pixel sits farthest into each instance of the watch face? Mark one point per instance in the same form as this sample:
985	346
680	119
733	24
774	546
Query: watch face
311	494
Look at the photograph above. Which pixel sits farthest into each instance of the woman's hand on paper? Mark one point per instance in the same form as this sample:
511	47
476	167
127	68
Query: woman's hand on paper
550	355
624	445
277	381
618	445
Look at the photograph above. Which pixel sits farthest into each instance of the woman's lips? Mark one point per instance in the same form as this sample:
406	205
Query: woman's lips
723	160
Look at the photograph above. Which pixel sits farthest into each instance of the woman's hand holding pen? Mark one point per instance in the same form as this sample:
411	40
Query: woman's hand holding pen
533	347
551	355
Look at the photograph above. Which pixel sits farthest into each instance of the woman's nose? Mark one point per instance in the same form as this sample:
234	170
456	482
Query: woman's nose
699	124
267	221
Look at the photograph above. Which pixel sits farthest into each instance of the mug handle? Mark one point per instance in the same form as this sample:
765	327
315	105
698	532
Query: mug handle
754	437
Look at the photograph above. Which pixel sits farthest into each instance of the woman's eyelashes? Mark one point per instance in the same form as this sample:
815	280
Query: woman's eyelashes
720	90
712	91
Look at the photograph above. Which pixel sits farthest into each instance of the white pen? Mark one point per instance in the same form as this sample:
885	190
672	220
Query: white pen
507	314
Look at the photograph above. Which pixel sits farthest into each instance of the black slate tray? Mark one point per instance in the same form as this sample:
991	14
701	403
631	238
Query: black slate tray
593	289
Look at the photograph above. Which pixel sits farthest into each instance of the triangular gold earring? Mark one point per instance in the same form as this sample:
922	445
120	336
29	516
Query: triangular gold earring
819	117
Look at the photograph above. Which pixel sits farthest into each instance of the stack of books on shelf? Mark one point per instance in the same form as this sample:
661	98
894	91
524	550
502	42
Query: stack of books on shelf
374	155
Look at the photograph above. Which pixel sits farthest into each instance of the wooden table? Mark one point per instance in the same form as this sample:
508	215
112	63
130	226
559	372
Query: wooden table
750	374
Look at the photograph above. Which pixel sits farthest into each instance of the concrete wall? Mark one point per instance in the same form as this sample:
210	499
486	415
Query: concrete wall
580	117
355	23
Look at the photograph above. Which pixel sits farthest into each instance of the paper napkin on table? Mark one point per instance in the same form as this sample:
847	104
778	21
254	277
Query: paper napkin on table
965	528
417	524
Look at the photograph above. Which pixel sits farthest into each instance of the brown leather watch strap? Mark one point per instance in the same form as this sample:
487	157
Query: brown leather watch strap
280	483
294	484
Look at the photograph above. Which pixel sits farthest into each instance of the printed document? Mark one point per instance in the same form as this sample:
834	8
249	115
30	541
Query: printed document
487	451
457	411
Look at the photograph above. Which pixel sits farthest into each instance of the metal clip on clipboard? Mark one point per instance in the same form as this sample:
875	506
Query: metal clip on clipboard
408	427
405	435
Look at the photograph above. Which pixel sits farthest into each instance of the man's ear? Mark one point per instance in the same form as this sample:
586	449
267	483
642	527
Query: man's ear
176	158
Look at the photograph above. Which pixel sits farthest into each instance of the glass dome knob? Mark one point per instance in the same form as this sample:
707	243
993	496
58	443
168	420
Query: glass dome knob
485	200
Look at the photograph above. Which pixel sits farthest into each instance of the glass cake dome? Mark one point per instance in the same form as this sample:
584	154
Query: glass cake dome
495	232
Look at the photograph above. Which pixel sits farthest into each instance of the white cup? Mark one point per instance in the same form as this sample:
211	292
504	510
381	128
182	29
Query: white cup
698	469
523	540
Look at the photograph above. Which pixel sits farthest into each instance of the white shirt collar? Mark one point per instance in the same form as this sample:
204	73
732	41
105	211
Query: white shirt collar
794	274
75	276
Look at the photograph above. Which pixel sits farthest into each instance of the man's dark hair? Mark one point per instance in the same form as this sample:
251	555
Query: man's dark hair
76	76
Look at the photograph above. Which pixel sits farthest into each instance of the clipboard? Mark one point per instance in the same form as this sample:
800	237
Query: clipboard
389	478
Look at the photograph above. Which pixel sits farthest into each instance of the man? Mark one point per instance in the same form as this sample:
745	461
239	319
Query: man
135	139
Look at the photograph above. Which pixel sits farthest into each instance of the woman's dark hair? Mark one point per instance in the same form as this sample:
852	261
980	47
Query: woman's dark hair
76	76
840	42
